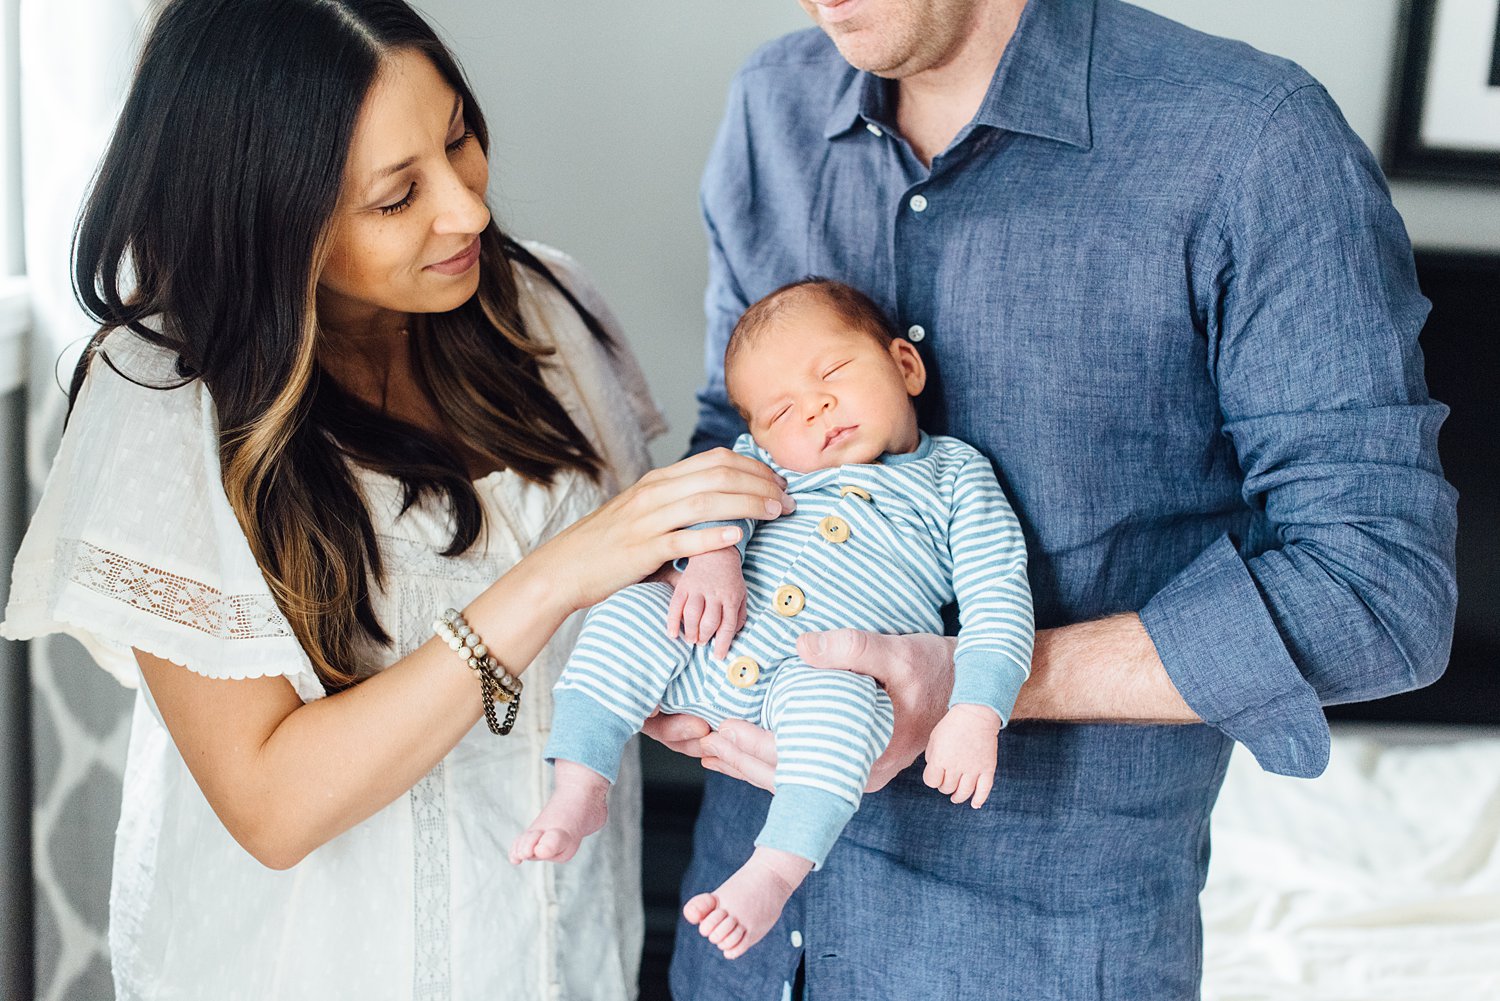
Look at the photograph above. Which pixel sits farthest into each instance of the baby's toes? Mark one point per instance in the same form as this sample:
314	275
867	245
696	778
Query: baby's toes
524	847
732	942
729	927
700	907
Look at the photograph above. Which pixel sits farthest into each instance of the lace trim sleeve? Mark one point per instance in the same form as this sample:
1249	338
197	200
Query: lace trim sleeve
133	543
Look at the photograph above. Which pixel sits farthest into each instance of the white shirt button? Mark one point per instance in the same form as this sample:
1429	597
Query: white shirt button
875	130
796	939
918	203
916	333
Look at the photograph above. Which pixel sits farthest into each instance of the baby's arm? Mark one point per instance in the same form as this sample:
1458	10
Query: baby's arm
995	637
709	602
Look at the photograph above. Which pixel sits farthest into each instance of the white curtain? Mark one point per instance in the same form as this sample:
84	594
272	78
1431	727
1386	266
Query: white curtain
76	59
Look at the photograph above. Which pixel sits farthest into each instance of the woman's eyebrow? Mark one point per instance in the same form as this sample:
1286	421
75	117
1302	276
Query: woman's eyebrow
396	168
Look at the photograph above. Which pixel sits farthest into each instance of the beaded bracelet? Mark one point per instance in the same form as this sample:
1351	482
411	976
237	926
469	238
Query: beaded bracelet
496	684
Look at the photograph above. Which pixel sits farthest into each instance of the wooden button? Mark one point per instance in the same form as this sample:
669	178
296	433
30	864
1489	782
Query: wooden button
834	529
789	600
743	672
859	492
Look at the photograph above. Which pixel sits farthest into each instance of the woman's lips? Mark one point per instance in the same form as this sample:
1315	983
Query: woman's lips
460	262
837	435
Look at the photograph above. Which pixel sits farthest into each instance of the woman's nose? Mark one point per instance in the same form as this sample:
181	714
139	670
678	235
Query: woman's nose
460	209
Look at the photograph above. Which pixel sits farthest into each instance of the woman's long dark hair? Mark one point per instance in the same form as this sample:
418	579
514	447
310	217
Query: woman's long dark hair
206	231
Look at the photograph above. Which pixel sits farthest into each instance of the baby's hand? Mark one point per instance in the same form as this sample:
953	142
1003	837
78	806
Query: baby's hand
709	602
961	753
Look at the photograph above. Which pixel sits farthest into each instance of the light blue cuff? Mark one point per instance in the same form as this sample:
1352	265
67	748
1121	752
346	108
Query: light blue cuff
985	678
585	732
745	525
805	822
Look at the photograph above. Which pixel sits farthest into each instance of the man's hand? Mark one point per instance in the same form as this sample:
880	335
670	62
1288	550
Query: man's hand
681	733
916	672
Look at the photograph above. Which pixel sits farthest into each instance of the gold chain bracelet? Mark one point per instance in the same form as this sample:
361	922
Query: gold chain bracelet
496	684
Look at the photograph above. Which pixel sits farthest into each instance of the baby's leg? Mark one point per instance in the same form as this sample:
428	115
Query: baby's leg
614	678
830	727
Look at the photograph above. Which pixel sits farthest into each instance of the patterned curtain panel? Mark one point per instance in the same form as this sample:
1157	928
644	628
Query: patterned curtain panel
76	57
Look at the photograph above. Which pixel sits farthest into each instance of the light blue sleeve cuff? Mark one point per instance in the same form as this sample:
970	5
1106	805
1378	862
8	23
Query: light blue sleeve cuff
1221	649
984	678
745	525
805	822
585	732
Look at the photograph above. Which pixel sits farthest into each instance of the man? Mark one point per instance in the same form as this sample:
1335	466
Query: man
1159	282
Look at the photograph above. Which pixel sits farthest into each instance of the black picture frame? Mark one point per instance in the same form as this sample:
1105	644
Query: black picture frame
1406	154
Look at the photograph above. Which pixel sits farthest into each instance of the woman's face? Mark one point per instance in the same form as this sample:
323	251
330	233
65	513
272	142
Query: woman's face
405	234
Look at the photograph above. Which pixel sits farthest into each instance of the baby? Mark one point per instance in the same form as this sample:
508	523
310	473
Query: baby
890	525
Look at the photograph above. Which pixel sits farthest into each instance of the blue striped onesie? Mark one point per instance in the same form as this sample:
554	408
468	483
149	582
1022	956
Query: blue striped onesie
880	547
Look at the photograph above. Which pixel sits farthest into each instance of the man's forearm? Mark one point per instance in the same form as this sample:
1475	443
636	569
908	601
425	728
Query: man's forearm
1102	671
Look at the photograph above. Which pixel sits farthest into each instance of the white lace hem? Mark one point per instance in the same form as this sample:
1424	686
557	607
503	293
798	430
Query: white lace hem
111	603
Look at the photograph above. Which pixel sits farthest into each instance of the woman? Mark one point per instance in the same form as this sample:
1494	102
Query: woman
330	400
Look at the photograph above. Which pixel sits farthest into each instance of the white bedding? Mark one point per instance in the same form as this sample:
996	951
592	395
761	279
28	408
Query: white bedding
1378	881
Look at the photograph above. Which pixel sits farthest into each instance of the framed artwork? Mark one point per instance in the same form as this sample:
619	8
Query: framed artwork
1447	107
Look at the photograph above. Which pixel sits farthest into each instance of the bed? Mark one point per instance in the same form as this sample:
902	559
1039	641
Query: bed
1378	881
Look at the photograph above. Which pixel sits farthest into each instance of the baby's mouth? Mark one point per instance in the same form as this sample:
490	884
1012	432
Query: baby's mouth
838	435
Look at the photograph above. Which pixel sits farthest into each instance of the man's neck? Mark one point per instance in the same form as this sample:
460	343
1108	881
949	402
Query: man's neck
934	104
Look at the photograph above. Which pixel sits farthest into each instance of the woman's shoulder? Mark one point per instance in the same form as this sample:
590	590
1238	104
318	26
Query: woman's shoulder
136	407
124	366
597	378
565	270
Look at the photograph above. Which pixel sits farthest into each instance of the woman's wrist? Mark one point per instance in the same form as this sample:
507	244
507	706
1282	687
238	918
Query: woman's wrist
518	614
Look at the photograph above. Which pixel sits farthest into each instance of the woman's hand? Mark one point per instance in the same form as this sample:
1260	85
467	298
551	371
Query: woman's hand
916	671
646	525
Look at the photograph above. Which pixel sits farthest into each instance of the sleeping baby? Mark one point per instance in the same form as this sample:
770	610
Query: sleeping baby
890	525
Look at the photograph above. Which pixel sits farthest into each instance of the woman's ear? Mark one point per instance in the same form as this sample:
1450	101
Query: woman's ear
909	361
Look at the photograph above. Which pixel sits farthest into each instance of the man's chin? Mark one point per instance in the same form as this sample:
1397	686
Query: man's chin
865	53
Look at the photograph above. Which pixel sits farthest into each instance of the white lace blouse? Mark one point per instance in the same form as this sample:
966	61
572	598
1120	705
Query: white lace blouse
134	545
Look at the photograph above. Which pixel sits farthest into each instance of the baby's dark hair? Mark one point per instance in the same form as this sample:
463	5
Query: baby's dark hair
849	303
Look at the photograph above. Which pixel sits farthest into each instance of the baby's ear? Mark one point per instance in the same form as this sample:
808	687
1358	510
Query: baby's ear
909	360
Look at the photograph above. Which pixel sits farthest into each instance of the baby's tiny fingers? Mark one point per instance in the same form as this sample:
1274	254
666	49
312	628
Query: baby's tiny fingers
674	613
724	638
965	788
932	776
982	789
692	611
713	614
950	782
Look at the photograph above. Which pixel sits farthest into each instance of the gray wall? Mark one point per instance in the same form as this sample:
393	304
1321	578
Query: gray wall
603	113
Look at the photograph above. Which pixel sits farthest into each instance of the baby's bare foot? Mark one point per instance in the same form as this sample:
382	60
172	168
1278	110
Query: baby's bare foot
576	809
738	914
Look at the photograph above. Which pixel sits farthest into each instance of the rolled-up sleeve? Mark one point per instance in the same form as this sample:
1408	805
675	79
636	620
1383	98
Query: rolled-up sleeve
1346	590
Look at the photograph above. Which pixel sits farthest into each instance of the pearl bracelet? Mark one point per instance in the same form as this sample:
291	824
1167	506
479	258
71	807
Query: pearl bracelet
496	684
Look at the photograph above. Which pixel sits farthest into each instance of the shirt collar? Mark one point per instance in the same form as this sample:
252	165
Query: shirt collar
1040	88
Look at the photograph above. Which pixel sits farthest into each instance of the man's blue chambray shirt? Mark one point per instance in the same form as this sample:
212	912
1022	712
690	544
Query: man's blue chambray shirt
1161	285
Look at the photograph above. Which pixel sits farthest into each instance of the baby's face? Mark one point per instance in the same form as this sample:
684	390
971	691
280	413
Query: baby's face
819	394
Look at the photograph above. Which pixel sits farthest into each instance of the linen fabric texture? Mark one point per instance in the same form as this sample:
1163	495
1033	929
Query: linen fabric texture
134	545
1163	288
919	530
